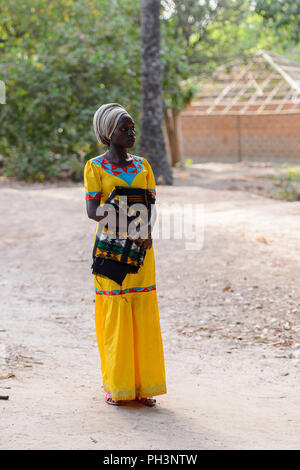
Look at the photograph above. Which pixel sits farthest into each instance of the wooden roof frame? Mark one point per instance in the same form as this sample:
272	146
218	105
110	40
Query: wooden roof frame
266	83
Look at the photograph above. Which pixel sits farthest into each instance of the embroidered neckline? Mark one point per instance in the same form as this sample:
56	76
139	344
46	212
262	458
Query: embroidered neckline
126	173
125	291
118	166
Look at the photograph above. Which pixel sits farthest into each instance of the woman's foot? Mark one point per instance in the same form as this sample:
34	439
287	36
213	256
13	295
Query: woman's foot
110	401
146	401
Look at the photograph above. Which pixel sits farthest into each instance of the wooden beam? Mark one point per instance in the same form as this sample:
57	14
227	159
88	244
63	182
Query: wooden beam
231	85
279	69
242	103
270	96
248	113
238	95
253	98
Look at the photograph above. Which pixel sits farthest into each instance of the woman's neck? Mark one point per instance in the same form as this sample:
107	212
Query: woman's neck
117	154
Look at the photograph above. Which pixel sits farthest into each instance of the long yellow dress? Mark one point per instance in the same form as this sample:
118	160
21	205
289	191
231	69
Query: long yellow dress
127	317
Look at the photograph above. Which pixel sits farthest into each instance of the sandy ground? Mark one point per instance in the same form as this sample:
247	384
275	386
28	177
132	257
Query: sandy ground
229	318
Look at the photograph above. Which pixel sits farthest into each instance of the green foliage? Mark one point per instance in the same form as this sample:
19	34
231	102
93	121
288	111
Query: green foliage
283	15
286	184
199	36
293	173
189	162
58	76
61	59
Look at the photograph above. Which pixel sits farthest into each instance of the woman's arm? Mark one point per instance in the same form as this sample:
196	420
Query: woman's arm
106	217
91	209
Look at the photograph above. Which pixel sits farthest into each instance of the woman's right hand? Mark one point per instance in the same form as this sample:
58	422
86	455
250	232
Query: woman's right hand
143	240
144	243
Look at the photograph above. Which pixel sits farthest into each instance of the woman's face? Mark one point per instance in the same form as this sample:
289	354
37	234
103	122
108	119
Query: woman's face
124	133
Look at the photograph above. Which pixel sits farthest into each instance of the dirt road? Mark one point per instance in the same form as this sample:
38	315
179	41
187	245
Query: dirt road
229	318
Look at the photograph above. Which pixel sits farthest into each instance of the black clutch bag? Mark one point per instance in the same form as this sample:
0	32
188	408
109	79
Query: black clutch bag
111	269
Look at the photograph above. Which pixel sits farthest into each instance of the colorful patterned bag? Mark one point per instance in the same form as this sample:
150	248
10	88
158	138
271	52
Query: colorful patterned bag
114	254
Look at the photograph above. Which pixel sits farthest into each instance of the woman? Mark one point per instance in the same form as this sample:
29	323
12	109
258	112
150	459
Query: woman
127	318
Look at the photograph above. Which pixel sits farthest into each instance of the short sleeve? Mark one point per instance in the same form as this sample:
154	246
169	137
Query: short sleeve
92	181
150	178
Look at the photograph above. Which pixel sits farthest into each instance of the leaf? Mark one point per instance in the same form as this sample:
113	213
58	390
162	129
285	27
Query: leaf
6	376
261	239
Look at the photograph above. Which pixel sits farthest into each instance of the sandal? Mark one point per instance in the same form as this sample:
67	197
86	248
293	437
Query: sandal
110	401
146	401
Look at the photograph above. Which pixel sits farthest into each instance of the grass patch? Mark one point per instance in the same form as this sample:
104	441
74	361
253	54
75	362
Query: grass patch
285	184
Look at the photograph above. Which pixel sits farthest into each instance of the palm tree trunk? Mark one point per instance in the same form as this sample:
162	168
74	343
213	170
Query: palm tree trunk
152	143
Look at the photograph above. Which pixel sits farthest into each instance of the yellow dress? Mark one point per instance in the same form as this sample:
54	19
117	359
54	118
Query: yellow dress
127	317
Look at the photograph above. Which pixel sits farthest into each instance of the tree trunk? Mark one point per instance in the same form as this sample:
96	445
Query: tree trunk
172	120
152	143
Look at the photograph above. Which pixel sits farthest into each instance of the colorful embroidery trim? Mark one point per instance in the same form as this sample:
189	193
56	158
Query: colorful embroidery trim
125	291
138	391
153	191
93	195
127	173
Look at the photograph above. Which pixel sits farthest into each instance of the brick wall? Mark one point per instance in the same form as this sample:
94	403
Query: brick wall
253	137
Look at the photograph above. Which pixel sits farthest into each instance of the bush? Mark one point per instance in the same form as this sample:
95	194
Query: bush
57	79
